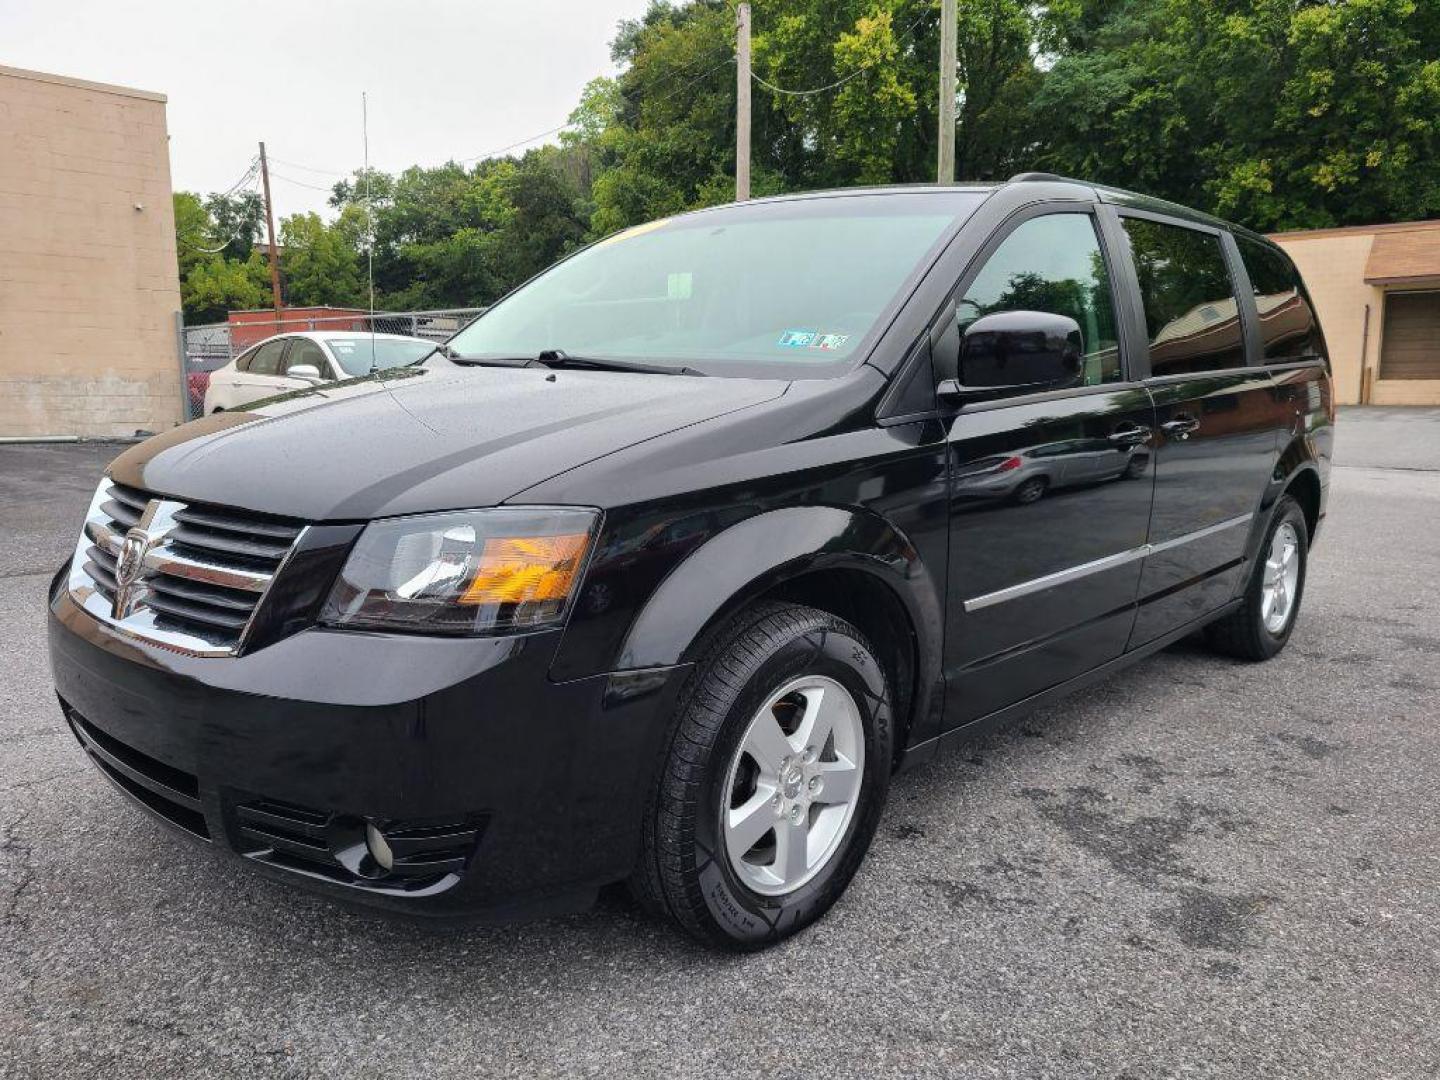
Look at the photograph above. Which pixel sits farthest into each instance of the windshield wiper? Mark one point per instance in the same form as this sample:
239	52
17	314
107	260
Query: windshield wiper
484	361
559	358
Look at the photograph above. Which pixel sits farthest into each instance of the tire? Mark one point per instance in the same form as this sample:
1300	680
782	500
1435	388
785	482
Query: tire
1251	632
687	870
1032	490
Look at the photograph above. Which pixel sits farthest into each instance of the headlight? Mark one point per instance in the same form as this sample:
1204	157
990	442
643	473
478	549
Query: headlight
478	572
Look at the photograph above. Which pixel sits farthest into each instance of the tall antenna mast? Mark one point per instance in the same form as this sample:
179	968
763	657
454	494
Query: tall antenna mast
369	218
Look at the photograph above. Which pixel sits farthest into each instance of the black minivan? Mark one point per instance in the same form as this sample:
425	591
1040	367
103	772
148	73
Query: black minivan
660	569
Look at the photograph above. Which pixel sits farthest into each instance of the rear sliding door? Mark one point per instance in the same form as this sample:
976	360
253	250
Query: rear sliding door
1218	420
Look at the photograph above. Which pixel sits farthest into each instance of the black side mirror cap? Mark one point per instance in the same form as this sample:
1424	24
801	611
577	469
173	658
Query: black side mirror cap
1010	352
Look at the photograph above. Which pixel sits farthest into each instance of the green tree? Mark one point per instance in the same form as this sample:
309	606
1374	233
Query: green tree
213	280
1281	114
320	266
239	222
217	285
194	231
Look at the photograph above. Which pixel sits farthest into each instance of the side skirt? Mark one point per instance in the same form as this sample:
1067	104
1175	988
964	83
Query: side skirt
984	725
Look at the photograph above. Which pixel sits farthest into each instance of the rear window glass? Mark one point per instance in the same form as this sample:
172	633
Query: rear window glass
1191	314
1288	327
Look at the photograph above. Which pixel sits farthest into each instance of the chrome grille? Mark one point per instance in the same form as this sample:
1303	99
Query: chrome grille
189	578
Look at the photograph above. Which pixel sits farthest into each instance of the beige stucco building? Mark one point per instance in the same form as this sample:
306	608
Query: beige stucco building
1377	288
88	281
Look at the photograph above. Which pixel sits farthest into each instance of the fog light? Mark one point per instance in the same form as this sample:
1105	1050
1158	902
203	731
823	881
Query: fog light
379	848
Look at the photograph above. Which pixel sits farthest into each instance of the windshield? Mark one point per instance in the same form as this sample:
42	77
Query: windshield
784	288
355	354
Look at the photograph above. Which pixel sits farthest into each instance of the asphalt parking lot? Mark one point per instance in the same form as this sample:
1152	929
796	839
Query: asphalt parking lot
1199	868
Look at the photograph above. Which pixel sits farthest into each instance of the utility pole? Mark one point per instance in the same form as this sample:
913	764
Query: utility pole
945	163
270	224
742	103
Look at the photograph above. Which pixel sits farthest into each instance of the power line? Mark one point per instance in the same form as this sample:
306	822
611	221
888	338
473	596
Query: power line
251	176
512	146
301	183
703	75
502	149
489	153
679	90
307	168
841	81
247	176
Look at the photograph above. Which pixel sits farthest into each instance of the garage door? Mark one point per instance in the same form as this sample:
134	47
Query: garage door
1410	348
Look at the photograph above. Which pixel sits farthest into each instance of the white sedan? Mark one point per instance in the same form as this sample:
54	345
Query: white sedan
299	361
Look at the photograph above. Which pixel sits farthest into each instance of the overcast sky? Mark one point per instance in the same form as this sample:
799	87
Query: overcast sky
445	78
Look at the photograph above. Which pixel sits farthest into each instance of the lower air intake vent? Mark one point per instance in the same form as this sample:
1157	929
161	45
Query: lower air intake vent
163	790
394	856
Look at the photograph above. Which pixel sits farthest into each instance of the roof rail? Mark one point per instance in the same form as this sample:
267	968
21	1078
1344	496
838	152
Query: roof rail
1020	178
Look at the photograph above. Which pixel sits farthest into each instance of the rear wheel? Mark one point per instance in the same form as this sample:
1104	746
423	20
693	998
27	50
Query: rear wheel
1032	490
1262	625
774	780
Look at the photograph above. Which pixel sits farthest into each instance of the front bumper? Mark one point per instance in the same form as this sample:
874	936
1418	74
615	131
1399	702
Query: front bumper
503	793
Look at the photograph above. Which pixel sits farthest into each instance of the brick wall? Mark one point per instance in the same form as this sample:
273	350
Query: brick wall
88	288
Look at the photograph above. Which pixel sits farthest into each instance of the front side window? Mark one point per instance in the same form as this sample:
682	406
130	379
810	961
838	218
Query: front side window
1288	327
1191	315
266	360
305	351
783	289
1052	264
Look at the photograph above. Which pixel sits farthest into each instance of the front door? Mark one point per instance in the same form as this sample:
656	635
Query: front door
304	352
1050	493
1218	423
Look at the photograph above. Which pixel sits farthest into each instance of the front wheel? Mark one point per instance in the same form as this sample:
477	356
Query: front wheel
1262	625
774	780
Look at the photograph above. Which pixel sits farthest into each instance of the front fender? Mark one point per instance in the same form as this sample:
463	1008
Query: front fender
748	559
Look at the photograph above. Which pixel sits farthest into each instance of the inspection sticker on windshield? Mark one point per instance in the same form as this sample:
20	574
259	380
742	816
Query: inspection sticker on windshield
811	339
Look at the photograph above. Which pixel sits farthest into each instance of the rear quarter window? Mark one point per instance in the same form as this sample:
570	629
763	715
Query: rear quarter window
1289	329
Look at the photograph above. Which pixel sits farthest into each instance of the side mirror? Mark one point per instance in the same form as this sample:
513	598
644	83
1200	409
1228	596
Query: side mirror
1017	352
303	371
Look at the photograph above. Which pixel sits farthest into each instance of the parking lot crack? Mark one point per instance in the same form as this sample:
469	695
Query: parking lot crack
12	847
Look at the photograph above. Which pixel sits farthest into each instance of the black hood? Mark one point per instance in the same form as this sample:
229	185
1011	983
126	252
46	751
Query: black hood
421	439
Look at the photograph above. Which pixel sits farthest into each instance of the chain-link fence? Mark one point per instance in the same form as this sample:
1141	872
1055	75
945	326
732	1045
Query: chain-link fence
209	346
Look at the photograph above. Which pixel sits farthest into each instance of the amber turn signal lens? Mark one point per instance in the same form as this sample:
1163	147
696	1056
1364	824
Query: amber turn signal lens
526	569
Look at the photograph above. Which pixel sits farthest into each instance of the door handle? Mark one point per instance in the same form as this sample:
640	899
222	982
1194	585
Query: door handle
1181	427
1130	434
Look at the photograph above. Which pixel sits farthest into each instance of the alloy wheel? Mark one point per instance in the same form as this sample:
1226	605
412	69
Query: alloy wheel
793	785
1280	585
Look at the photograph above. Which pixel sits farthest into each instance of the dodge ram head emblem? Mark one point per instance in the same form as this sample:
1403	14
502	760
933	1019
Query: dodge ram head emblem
128	564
